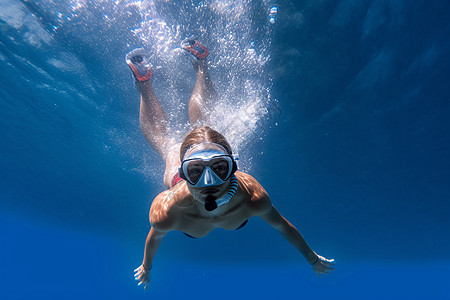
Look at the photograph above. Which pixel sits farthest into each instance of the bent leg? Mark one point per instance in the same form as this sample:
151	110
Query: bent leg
202	94
153	119
154	126
204	90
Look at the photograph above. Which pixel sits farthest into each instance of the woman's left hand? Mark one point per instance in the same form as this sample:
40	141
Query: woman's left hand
142	275
323	265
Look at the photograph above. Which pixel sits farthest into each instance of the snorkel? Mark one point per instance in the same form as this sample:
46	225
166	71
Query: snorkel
211	203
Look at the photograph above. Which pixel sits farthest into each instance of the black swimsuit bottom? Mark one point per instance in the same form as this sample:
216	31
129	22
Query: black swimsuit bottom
240	226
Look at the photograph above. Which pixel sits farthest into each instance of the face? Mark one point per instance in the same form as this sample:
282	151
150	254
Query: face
207	166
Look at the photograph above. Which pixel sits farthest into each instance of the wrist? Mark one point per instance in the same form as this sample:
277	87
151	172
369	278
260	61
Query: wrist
315	261
147	268
312	257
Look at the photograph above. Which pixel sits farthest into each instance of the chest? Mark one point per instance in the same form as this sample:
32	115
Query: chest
198	225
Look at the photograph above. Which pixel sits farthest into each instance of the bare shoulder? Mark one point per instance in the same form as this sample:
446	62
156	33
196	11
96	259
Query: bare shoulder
257	195
167	206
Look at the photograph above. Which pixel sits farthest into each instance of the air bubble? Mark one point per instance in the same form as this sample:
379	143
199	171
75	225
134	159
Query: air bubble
273	14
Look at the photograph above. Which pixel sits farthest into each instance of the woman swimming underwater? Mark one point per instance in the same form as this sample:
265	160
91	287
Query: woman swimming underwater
205	190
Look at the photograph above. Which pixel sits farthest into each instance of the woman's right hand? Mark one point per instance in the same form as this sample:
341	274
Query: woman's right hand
323	265
142	275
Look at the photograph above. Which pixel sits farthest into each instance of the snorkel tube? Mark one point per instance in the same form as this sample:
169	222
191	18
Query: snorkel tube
211	202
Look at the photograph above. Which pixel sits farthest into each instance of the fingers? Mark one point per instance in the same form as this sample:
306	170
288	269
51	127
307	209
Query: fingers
141	280
323	266
326	262
144	281
137	276
326	267
138	271
142	276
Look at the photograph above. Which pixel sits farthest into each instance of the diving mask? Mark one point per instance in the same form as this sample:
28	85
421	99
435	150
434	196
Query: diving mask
207	168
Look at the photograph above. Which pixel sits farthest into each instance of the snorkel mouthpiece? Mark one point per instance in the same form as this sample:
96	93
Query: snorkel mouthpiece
210	203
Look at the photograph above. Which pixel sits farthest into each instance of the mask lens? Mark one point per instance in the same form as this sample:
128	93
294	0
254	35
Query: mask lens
220	166
195	169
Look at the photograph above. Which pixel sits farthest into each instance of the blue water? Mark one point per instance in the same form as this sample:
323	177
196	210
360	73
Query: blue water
342	111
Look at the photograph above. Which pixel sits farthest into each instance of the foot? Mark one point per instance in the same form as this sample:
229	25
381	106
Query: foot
195	48
139	65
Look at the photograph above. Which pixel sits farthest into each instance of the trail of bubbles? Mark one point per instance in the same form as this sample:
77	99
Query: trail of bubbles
238	35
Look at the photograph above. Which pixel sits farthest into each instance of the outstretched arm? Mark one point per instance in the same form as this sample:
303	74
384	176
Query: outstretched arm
142	273
163	218
320	264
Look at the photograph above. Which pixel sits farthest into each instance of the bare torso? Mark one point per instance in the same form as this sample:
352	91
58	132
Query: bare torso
176	209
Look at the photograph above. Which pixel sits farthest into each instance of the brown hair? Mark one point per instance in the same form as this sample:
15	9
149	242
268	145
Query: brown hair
200	135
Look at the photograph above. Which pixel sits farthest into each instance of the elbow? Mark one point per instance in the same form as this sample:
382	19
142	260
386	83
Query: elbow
286	228
155	234
281	227
161	228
